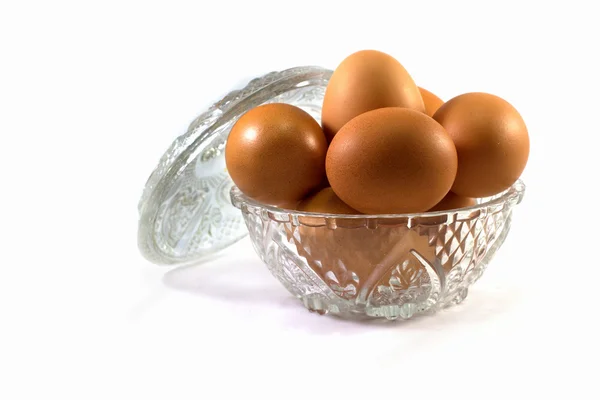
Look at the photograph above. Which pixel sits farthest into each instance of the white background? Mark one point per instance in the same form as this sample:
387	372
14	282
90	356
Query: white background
92	93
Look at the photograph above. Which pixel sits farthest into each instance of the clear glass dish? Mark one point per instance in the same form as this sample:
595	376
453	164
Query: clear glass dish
391	266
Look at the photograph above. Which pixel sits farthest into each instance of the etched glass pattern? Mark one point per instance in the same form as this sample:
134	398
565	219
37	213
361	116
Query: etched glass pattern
391	266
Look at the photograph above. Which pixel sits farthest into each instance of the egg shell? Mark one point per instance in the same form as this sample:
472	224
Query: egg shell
452	201
365	81
325	201
431	101
391	160
491	140
275	154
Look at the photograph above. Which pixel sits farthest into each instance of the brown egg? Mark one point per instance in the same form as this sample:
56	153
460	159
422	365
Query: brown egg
325	201
275	154
431	101
453	201
491	140
365	81
391	160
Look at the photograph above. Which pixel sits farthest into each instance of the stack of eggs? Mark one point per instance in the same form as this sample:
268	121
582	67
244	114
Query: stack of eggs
386	146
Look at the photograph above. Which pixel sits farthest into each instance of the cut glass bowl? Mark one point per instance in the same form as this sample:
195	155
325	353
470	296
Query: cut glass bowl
392	266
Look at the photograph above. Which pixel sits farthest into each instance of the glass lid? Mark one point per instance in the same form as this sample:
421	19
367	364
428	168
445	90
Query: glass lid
185	210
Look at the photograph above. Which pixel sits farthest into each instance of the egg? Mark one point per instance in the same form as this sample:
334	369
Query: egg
391	160
452	201
431	101
275	154
491	140
365	81
325	201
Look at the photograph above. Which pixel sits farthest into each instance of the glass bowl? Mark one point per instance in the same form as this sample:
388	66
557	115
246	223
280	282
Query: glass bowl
391	266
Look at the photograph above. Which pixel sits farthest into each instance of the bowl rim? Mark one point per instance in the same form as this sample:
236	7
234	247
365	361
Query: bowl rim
509	197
